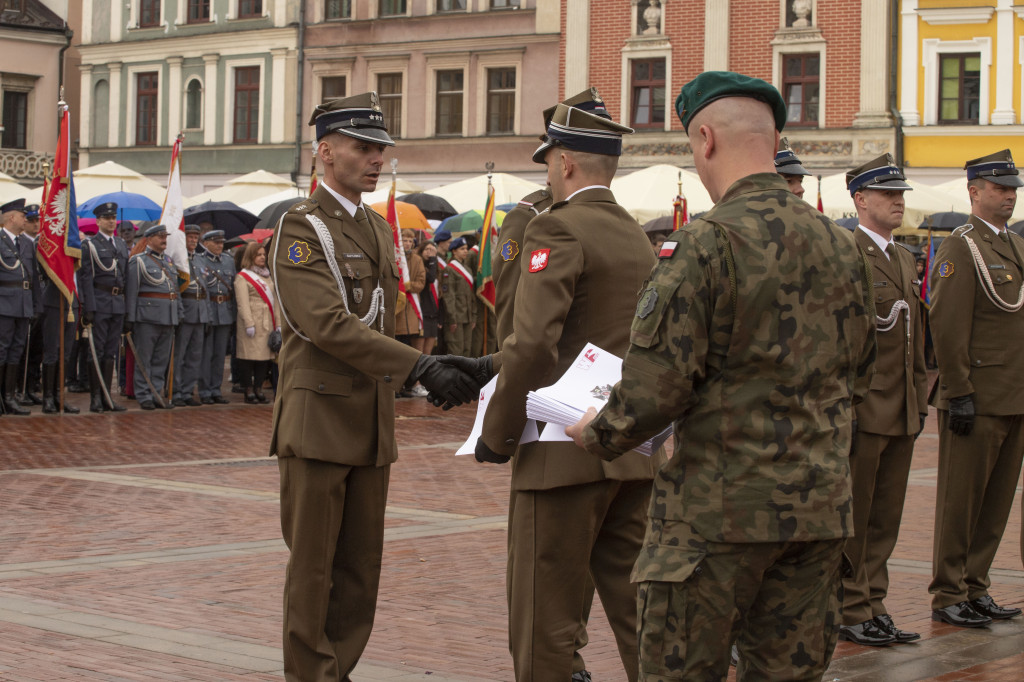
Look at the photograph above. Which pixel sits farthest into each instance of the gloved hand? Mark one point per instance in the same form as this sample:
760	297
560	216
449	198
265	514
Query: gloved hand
87	318
128	327
924	418
961	415
481	369
250	332
443	380
485	454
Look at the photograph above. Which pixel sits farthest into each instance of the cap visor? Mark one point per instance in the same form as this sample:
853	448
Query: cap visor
377	135
792	169
538	156
892	184
1005	180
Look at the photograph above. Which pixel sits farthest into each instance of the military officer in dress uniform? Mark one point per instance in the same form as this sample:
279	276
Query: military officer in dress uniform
58	317
976	307
188	343
894	410
459	300
573	520
748	519
218	274
33	356
333	427
154	310
101	280
787	164
18	304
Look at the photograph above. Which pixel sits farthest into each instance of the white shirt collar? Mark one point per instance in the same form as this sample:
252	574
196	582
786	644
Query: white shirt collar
584	189
877	239
14	237
349	206
994	228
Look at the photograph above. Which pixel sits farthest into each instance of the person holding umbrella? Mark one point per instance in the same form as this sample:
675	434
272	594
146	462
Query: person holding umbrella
218	274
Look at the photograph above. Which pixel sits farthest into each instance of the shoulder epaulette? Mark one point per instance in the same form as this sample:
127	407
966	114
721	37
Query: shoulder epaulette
962	230
305	206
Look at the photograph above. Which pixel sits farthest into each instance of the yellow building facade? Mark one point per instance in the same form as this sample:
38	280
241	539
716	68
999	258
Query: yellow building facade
960	89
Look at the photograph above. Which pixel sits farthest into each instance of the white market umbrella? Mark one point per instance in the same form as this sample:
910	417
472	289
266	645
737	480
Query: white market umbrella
245	188
109	177
647	194
469	194
10	189
958	188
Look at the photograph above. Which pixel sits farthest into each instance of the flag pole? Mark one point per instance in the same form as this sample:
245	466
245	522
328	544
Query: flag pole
486	233
61	105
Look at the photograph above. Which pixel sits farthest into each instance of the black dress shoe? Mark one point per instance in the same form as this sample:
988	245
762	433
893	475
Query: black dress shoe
147	405
207	401
70	409
902	636
987	606
962	615
115	407
192	402
179	402
867	633
220	400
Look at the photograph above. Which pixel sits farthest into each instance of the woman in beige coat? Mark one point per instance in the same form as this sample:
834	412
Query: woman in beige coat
256	319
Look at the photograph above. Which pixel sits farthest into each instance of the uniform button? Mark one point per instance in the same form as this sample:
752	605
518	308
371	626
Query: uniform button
510	441
387	379
977	362
320	387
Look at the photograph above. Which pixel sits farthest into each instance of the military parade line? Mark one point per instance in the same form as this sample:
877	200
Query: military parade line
787	353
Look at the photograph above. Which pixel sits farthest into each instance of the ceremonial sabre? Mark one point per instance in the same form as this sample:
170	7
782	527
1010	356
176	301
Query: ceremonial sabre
87	333
142	369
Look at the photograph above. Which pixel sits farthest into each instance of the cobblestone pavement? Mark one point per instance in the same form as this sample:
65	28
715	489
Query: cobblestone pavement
147	546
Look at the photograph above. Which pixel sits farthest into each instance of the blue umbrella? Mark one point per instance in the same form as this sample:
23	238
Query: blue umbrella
130	206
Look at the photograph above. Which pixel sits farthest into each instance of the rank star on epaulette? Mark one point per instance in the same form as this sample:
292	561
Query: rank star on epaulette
509	250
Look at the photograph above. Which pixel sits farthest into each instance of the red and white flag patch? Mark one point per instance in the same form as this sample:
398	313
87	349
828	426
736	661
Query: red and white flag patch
667	249
539	260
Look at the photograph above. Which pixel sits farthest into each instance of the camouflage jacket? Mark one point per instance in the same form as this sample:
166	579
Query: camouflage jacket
755	337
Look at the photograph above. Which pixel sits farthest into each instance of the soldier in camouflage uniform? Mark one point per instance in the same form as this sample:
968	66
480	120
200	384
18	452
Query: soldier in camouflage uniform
754	338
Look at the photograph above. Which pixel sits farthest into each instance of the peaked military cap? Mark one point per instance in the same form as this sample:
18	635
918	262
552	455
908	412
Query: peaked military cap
192	228
787	162
32	211
109	208
357	116
997	168
155	230
715	85
878	173
14	205
584	126
213	235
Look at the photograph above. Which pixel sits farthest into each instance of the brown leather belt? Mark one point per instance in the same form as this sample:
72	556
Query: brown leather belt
221	299
116	291
194	296
24	284
156	294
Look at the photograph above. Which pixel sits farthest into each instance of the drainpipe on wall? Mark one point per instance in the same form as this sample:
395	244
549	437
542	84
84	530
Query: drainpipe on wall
894	62
299	143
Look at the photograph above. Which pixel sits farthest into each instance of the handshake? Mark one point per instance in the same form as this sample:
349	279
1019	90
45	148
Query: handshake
452	380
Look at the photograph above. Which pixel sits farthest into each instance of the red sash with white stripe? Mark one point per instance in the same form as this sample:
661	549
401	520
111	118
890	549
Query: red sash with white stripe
461	269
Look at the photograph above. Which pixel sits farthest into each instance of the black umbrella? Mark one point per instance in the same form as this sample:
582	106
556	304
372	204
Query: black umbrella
223	215
271	214
433	208
849	222
660	224
946	220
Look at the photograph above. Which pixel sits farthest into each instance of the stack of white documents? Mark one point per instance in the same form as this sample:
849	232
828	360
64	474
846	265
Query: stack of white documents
587	383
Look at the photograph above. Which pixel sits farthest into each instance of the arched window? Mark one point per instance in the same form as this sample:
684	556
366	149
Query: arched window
194	104
101	114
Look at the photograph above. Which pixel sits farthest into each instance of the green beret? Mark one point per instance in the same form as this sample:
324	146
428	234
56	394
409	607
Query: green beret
712	85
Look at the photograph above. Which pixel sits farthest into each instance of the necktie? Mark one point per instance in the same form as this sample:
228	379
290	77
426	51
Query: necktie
1005	237
891	250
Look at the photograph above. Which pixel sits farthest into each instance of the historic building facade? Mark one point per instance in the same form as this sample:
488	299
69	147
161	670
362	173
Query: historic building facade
961	84
462	82
829	58
34	37
220	71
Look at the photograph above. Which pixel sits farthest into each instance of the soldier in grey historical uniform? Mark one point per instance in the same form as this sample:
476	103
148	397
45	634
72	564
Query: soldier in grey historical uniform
218	274
17	304
188	344
101	282
154	309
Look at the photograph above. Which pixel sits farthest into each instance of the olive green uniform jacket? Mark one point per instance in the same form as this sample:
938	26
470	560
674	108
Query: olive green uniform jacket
583	264
507	257
755	338
336	398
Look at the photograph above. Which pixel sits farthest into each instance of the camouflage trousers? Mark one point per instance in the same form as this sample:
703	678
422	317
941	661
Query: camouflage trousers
778	602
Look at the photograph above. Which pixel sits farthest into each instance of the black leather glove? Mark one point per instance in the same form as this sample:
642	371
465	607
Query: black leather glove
128	327
924	418
481	369
961	415
443	380
87	318
485	454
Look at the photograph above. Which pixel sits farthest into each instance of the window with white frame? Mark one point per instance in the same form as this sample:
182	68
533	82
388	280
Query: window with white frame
501	100
959	88
247	104
15	119
389	89
147	93
332	87
337	9
448	102
149	13
198	11
250	9
391	8
194	105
